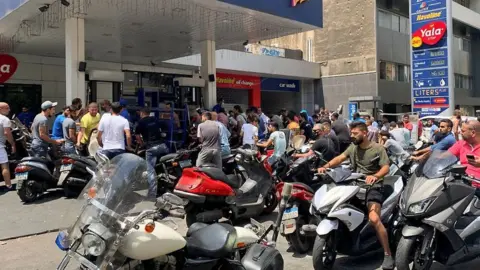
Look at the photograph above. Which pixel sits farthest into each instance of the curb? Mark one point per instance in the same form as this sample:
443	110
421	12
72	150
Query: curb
30	234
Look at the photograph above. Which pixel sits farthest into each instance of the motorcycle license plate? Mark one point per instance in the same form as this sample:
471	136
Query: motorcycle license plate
21	177
185	163
66	168
289	226
290	213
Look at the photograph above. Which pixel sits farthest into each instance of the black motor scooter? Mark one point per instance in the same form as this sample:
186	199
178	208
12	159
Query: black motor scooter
36	175
74	175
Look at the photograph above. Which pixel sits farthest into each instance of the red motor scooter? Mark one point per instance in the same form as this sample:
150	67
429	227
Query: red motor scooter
212	194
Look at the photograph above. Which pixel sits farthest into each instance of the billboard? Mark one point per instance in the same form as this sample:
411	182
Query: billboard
431	63
304	11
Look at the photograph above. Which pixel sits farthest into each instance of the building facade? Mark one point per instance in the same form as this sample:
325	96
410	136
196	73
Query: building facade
364	51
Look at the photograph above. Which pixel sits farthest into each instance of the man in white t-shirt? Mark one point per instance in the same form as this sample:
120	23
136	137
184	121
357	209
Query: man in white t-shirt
249	131
5	135
111	130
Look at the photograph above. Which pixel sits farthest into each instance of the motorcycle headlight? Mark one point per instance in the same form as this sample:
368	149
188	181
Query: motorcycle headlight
421	206
93	244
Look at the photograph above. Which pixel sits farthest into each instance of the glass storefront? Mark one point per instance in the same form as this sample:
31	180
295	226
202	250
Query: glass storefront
21	95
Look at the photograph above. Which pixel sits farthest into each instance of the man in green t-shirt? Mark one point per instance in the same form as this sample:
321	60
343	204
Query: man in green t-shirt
370	159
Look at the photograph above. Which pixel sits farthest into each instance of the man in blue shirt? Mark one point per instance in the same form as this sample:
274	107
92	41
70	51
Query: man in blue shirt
124	111
57	129
357	118
219	105
445	139
26	117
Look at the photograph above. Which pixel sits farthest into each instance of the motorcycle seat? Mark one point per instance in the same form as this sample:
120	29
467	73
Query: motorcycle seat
212	241
217	174
195	227
167	157
86	160
226	158
307	187
50	165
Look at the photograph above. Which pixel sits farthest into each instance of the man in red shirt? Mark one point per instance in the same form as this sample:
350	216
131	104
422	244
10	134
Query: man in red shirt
469	146
406	122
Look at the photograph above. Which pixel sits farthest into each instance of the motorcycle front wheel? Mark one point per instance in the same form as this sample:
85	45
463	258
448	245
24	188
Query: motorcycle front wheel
408	251
324	251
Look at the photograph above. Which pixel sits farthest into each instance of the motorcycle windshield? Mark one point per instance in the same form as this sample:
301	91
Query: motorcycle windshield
112	200
339	174
437	164
428	179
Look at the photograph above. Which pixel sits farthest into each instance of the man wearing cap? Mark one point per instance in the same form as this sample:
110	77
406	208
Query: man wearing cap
41	140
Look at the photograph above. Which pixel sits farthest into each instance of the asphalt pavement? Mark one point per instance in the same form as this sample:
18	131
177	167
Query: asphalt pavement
25	241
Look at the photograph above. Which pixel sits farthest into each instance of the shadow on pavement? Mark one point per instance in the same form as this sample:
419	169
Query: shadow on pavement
48	196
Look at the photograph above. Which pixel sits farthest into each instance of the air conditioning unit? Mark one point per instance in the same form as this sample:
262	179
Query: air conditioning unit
189	82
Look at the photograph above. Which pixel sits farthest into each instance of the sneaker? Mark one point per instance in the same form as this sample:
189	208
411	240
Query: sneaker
388	263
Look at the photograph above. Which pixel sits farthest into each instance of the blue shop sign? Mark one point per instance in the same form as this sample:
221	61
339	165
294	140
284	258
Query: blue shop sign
352	109
304	11
274	84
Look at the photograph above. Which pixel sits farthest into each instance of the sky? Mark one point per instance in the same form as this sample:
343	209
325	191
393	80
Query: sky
7	6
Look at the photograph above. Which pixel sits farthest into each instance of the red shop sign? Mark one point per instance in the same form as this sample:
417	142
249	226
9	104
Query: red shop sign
431	33
237	81
8	66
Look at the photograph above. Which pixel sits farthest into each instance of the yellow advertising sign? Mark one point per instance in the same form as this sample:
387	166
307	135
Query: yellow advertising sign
431	15
416	42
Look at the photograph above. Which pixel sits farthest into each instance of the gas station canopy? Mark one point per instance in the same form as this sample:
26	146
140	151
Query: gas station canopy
146	31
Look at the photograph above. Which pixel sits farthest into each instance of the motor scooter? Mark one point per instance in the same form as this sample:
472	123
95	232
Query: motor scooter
36	175
74	175
212	194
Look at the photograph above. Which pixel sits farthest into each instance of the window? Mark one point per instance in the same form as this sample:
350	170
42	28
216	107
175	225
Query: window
393	22
463	82
403	73
465	3
394	72
384	19
466	45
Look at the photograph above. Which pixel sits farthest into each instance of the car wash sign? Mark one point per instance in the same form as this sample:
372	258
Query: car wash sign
432	86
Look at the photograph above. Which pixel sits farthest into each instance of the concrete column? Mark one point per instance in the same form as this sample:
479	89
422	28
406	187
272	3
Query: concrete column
74	54
208	67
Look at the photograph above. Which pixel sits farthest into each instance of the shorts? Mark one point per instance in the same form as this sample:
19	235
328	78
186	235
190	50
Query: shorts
375	194
3	156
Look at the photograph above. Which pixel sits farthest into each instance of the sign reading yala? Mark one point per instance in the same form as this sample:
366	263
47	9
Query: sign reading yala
431	63
8	66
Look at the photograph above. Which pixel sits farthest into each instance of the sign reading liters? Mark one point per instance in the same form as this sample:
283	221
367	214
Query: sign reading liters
8	66
432	93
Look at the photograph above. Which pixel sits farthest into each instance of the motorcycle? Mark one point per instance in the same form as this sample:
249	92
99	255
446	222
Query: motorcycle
296	215
441	214
344	227
120	228
36	175
212	194
74	175
22	137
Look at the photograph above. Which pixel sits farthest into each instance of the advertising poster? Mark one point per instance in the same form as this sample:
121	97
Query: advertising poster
430	60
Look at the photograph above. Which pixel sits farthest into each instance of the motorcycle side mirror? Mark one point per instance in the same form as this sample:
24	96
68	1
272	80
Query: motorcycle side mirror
173	199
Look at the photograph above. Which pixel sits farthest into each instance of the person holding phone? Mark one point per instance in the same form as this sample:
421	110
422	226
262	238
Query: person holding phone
468	150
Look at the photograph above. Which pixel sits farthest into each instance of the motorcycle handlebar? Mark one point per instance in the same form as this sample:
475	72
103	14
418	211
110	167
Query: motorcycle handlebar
471	179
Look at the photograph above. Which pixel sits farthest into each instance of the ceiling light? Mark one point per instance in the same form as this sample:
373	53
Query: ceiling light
227	21
44	8
178	9
65	3
189	47
266	29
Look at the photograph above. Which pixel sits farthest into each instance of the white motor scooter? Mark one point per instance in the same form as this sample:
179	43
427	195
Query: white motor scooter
344	227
